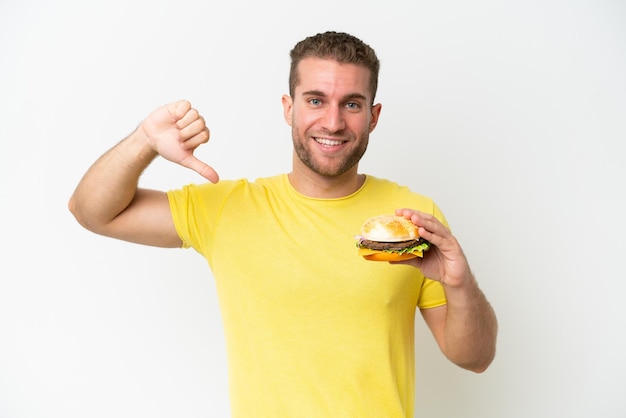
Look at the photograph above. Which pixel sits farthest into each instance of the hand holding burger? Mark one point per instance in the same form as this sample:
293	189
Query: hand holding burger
446	261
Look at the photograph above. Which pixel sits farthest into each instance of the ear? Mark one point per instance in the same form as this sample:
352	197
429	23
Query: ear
375	115
287	108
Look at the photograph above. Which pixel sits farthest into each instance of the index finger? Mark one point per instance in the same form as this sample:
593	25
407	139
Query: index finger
427	224
407	212
189	117
178	109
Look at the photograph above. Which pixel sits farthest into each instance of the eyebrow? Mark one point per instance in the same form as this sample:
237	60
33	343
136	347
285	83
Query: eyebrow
347	97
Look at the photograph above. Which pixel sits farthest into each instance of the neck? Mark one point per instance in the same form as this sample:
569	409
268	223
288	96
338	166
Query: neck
311	184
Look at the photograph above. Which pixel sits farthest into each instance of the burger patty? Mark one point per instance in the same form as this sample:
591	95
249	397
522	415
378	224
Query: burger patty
385	246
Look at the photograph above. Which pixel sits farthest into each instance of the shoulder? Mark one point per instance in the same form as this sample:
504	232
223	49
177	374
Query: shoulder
379	185
228	189
401	196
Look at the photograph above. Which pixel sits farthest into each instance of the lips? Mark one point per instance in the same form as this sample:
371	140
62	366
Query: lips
328	142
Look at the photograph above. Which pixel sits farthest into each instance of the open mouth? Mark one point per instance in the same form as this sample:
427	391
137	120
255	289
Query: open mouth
328	142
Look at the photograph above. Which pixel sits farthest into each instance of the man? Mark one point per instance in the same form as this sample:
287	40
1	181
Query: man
312	329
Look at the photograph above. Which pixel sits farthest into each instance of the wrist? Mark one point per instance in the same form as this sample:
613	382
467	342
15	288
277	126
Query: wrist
140	145
462	289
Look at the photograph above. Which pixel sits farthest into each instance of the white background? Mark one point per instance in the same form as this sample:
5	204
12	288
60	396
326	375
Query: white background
511	115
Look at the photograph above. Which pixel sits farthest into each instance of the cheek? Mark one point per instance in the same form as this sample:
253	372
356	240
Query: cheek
302	120
359	124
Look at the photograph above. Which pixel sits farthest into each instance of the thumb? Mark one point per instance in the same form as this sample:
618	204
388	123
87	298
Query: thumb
201	168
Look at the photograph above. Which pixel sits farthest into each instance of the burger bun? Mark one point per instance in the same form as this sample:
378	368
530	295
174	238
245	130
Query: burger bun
389	228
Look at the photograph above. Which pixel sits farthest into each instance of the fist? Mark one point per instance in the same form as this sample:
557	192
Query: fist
174	131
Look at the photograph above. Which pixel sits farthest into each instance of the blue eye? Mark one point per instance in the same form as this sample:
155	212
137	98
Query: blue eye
315	101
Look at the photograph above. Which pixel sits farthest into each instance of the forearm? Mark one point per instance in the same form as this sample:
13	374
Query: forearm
470	327
110	184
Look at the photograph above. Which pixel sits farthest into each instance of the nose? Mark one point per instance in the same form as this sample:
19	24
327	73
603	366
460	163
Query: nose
333	119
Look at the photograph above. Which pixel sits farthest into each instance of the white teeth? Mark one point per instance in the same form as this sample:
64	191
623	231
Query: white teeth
328	142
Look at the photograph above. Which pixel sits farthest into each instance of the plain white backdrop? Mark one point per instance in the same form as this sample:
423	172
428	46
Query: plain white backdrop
511	115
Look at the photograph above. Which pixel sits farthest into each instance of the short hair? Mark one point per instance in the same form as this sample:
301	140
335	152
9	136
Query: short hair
337	46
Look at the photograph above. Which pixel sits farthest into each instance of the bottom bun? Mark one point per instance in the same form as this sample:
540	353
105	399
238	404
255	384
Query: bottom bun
374	255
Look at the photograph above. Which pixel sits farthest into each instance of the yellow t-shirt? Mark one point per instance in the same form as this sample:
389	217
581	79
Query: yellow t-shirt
312	329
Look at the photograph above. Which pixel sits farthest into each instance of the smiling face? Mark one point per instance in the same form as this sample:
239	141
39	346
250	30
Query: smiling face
331	116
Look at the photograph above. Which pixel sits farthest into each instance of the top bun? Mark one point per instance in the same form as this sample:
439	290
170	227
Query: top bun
389	228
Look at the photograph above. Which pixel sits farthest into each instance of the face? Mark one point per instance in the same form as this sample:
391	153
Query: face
331	116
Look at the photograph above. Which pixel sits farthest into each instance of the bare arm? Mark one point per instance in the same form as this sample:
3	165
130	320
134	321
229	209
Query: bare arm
466	328
107	200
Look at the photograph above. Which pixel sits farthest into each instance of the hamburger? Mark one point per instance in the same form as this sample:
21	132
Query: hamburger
390	238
